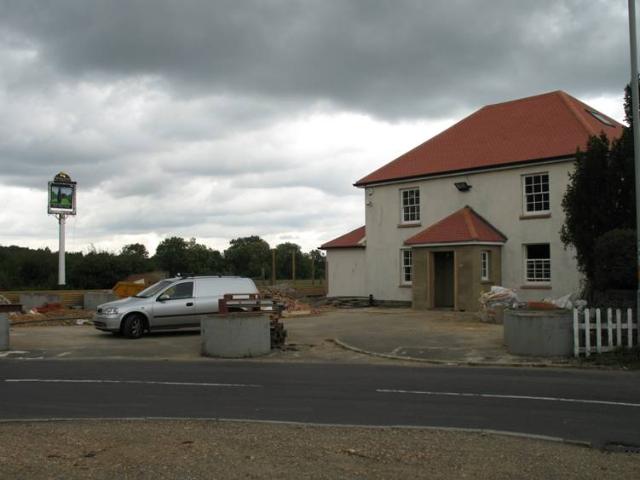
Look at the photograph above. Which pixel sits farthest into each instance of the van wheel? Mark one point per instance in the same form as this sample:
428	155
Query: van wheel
133	326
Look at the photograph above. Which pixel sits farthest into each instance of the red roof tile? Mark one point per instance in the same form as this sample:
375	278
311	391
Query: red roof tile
464	225
551	125
353	239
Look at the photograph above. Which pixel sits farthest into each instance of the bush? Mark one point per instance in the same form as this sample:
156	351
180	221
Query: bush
615	261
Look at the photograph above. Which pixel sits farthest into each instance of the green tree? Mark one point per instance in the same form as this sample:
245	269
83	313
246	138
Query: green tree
318	259
171	255
284	254
249	257
204	260
22	267
96	270
136	256
616	266
600	196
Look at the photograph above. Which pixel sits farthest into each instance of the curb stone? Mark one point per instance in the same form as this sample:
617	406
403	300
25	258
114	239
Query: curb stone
454	363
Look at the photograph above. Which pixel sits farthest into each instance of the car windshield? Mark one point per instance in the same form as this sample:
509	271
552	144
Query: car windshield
153	289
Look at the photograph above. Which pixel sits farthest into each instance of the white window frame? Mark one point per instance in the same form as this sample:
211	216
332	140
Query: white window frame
406	268
485	265
527	202
539	268
408	208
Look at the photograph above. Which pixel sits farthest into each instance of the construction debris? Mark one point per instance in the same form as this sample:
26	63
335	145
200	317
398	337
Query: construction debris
286	296
350	302
62	316
48	307
500	297
257	303
278	333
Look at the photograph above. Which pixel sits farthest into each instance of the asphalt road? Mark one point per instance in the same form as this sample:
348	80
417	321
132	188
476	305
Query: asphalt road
587	406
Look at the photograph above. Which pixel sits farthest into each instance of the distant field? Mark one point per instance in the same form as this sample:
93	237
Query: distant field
295	284
303	287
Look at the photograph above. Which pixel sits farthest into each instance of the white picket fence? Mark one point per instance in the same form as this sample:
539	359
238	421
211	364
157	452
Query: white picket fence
597	331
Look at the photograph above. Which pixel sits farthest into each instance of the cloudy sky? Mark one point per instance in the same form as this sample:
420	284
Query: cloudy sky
226	118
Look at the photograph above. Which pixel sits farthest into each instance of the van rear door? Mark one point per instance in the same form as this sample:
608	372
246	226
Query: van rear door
208	292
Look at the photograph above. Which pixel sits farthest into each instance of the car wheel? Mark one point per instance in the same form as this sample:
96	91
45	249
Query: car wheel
133	326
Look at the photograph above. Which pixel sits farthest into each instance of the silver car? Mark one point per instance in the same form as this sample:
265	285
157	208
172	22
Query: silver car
174	303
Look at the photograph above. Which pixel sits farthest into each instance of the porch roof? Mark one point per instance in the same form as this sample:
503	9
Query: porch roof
463	226
354	239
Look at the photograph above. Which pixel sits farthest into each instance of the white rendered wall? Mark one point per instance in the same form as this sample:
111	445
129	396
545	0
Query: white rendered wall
497	196
346	272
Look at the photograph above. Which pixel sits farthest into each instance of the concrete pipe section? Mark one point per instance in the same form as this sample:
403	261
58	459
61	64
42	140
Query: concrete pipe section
542	333
235	335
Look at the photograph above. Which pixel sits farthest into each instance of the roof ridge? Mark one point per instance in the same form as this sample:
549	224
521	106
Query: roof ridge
548	126
487	222
572	108
467	219
524	99
442	220
418	147
458	226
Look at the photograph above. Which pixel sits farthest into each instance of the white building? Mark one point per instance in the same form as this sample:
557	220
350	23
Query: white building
480	204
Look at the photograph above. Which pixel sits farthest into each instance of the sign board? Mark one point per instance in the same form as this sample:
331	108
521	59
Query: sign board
62	197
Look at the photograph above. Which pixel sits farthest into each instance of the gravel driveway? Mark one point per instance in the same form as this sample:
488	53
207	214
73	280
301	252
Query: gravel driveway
230	450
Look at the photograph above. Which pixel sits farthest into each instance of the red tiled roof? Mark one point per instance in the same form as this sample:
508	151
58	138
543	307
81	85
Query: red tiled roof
353	239
464	225
551	125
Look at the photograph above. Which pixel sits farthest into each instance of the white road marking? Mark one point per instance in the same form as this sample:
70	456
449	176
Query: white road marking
512	397
63	354
12	352
134	382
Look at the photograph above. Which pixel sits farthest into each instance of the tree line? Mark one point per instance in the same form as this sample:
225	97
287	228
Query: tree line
25	268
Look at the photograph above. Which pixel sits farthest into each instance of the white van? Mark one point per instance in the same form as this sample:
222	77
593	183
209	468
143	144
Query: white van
174	303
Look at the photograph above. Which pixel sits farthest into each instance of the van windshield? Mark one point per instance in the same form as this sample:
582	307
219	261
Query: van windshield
153	289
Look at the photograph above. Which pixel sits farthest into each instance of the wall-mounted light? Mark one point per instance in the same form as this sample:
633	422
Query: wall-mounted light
463	186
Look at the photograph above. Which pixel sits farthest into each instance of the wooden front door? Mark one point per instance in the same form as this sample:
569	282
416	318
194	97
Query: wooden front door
444	279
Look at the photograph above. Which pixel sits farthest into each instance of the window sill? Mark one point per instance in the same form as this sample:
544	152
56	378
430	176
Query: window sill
486	282
534	216
409	225
530	286
405	285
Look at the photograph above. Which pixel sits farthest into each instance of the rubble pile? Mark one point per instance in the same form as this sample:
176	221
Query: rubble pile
288	297
350	302
48	317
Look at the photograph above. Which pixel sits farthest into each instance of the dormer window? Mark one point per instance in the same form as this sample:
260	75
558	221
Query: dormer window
601	118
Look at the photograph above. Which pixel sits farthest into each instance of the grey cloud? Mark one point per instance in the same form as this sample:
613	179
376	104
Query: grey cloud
393	58
137	99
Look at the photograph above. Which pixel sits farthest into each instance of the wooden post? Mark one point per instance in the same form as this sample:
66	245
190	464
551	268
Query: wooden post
273	266
598	332
587	331
609	329
313	271
293	266
576	334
